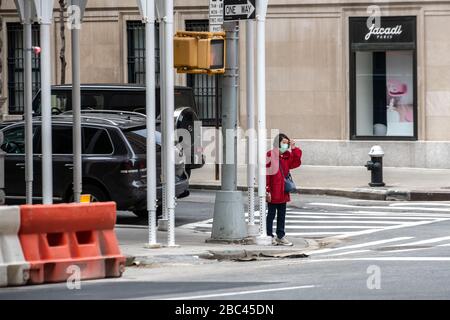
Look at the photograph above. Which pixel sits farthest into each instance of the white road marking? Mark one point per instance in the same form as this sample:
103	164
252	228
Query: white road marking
370	213
405	225
338	205
428	204
360	217
332	227
236	293
348	252
291	221
362	245
416	259
433	240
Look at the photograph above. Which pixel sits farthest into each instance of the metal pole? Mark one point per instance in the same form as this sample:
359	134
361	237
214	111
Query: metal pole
261	10
162	223
229	219
151	115
28	106
250	51
170	134
47	168
76	108
76	12
229	110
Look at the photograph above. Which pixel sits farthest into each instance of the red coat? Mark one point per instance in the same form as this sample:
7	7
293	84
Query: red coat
274	178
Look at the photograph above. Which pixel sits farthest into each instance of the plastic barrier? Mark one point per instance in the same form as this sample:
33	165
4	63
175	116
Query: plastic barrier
55	238
14	270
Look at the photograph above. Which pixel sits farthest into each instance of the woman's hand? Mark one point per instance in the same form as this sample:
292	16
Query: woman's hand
293	146
268	197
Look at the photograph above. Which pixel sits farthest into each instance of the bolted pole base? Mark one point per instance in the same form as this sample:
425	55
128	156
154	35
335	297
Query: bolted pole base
229	218
377	184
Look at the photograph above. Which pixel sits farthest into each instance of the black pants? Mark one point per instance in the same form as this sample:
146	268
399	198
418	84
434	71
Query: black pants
280	210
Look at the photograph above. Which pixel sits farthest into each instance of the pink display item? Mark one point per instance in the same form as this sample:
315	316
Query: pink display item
396	88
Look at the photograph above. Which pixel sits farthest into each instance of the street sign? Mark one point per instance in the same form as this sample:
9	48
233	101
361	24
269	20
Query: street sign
239	10
215	15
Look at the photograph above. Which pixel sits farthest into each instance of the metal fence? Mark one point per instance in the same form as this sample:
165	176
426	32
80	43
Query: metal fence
16	66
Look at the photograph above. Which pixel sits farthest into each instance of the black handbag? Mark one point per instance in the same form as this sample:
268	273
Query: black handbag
289	184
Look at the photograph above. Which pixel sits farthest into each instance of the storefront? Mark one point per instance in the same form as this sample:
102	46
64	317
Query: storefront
383	84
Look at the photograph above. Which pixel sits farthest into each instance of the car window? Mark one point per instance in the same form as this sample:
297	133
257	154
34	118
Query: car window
61	101
14	140
96	141
184	98
62	140
138	140
116	100
92	100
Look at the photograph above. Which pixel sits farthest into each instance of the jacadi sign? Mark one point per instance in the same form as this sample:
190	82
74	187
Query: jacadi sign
383	33
389	30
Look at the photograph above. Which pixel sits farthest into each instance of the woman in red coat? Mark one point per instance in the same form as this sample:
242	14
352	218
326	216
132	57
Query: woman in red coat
280	161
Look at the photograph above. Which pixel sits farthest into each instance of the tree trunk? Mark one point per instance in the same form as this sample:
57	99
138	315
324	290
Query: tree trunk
62	33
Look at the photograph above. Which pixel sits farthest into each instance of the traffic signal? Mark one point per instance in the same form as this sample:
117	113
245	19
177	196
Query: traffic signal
199	52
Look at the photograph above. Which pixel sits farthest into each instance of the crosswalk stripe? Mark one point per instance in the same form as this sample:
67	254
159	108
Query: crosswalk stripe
359	217
348	252
332	227
369	213
365	244
428	204
428	241
342	221
339	205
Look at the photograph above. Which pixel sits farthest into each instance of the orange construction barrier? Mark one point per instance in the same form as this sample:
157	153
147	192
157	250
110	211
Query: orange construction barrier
56	237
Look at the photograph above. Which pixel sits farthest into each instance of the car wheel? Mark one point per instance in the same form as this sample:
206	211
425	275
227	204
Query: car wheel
144	214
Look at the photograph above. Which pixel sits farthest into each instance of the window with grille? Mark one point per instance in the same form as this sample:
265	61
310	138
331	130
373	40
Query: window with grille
136	52
207	89
16	66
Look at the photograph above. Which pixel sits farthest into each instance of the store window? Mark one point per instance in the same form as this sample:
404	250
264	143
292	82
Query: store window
383	78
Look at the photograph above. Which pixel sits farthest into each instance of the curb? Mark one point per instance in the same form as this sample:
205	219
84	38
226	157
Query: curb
360	193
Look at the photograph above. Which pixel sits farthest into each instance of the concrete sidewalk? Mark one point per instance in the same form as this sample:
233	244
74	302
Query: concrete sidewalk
412	184
195	250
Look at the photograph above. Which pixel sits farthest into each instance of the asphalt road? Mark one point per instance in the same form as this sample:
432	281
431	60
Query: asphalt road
372	250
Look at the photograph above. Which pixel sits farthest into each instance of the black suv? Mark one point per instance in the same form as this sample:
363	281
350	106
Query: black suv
131	97
114	160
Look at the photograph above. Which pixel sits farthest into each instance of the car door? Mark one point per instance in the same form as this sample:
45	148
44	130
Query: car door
14	146
62	160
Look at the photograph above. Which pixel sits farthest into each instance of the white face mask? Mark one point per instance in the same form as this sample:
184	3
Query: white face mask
284	147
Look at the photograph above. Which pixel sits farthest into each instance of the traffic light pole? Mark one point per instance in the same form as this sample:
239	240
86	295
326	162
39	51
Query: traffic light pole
169	158
76	11
251	165
147	9
261	11
44	11
229	219
28	102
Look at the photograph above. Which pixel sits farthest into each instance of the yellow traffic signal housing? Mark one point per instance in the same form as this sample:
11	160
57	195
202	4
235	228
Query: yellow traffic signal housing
199	52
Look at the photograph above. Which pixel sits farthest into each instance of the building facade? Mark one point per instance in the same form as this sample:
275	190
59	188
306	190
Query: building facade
338	78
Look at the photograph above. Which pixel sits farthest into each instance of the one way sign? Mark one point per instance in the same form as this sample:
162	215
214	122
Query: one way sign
238	10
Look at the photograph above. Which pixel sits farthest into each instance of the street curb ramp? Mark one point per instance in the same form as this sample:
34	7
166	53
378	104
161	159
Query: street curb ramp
56	238
14	270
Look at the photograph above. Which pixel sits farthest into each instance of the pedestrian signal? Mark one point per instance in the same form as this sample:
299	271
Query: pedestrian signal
199	52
